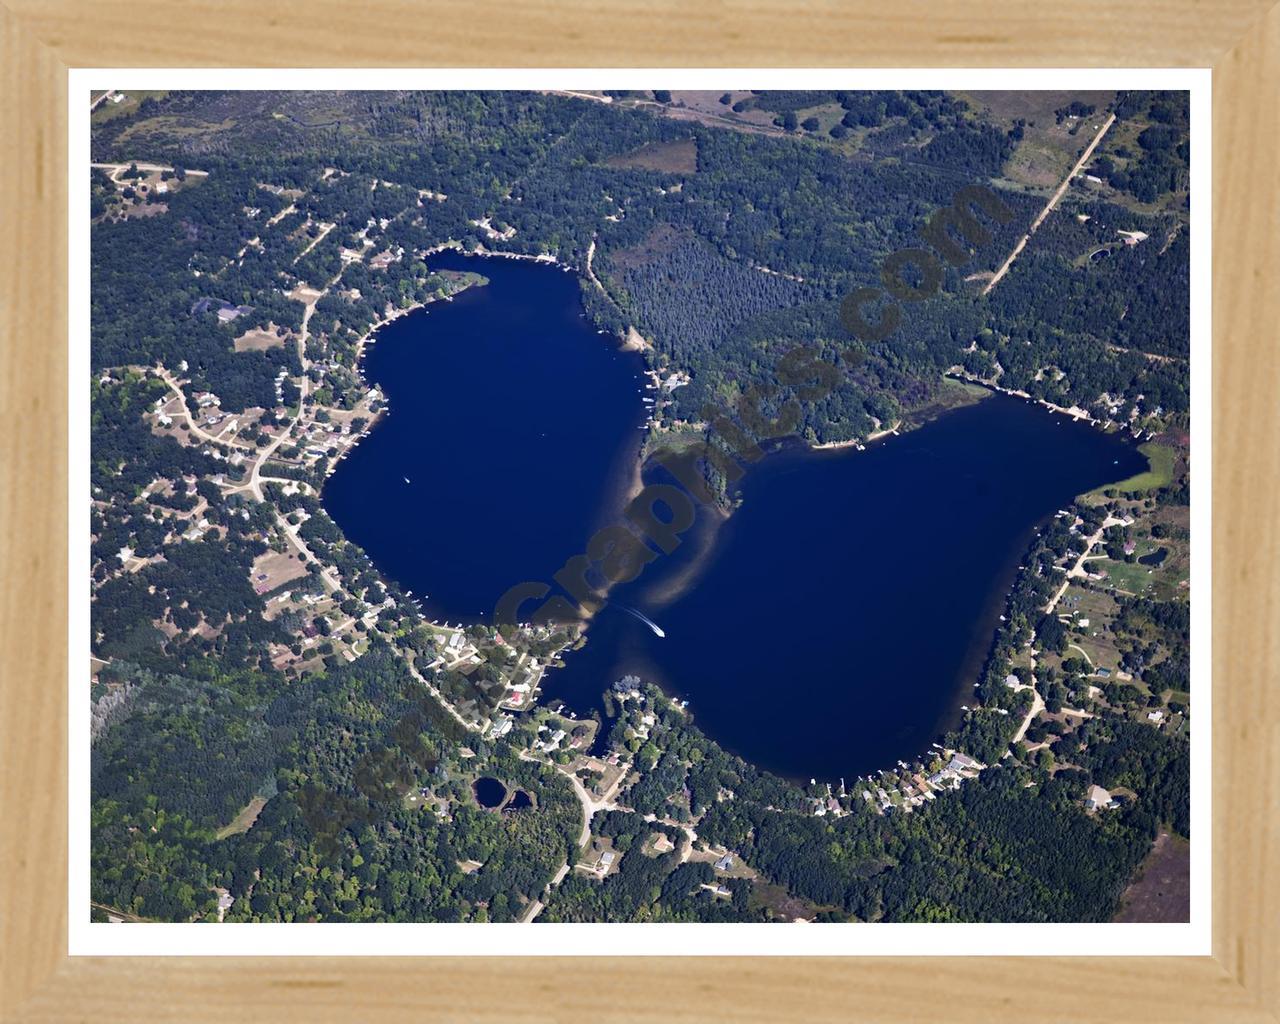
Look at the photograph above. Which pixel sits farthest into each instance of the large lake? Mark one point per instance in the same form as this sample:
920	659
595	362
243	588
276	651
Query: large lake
516	426
830	627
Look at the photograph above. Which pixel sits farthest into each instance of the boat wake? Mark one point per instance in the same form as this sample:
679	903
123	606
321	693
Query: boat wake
645	619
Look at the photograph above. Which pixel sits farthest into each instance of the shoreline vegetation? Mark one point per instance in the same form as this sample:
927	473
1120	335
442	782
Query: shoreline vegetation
724	506
633	341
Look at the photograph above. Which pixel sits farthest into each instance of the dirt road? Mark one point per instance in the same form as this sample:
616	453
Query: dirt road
157	168
1053	201
191	422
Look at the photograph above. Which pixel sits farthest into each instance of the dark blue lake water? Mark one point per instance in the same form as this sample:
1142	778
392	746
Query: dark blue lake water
830	627
515	424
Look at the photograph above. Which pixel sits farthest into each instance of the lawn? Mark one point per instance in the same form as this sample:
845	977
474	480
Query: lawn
1129	577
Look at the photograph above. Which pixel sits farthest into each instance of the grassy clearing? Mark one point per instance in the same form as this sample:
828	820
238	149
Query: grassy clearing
1161	889
243	821
258	340
950	394
680	157
1047	149
1130	578
1159	471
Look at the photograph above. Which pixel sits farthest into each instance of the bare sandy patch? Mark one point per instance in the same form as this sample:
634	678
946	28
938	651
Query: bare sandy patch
259	339
274	569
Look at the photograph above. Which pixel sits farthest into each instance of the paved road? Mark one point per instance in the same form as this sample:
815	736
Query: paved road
254	482
191	422
590	805
441	698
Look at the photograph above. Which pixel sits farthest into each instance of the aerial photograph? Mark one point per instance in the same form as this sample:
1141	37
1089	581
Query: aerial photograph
554	506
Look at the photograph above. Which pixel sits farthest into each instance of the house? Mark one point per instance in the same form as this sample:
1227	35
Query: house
553	741
606	859
725	863
1099	799
1155	716
1012	681
229	312
501	727
1103	673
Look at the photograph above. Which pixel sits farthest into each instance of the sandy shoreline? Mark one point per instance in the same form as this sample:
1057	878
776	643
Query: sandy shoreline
875	435
636	342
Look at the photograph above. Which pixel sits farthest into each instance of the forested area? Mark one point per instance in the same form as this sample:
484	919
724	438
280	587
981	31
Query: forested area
336	841
648	887
996	850
1161	164
125	455
685	257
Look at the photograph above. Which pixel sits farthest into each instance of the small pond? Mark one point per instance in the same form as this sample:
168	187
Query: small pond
489	792
1156	557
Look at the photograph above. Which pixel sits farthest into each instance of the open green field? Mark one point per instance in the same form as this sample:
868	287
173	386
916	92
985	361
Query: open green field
1129	577
1047	149
1159	471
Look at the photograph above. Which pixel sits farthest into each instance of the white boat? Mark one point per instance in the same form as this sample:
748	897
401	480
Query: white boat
407	480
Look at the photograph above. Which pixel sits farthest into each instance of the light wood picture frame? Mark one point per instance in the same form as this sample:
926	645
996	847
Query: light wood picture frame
41	39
